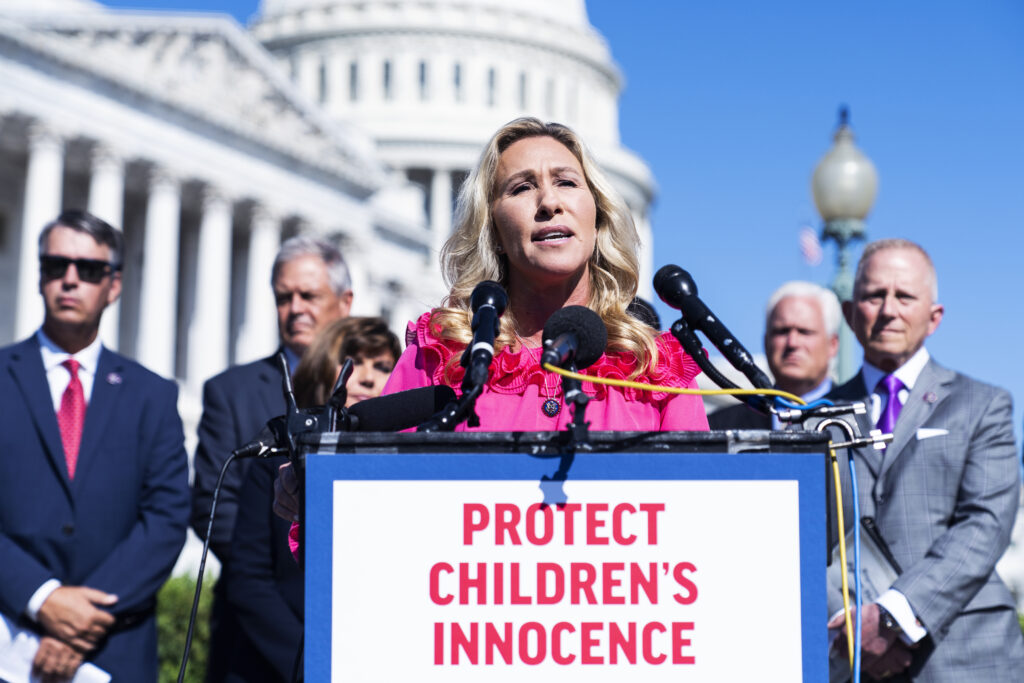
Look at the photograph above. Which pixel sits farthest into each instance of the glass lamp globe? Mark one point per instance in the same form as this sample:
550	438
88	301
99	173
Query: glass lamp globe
845	182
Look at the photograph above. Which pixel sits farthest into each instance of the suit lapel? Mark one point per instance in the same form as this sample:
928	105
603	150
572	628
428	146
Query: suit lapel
103	403
271	393
931	388
30	377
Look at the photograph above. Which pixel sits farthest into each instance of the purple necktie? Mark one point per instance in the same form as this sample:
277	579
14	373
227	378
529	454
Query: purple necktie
889	385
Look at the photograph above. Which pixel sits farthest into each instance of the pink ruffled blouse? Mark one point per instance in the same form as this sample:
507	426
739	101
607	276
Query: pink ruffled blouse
518	388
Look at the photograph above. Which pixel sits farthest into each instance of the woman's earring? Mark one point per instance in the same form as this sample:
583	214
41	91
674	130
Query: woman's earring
498	249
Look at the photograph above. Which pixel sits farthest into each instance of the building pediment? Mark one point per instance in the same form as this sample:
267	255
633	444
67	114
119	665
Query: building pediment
207	67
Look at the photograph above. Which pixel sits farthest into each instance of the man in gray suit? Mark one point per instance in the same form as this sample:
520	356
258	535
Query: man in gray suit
943	493
801	337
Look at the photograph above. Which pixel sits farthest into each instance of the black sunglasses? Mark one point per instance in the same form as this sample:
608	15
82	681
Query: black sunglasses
89	270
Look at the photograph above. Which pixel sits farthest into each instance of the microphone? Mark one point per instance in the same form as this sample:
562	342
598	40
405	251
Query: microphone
574	334
391	413
401	410
488	301
267	442
677	289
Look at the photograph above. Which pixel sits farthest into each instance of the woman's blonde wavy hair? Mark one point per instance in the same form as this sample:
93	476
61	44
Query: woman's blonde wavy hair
470	255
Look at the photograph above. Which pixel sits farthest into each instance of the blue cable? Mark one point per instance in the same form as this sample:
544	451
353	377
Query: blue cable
779	401
856	568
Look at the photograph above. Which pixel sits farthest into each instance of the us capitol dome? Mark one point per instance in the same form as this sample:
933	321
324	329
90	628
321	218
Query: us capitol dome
431	80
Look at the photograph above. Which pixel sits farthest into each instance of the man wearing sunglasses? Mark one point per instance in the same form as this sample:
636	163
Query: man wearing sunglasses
93	471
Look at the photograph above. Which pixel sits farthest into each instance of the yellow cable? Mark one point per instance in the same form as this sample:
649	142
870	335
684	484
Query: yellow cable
673	390
842	554
747	392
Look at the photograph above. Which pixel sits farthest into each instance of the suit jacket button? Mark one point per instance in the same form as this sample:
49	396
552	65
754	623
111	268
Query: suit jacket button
68	529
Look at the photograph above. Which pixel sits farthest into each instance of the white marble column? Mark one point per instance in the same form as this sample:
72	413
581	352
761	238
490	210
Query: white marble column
208	330
365	300
44	176
440	209
106	200
643	227
258	336
158	298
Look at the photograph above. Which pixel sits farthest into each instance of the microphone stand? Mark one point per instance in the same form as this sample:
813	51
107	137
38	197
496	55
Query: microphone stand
456	412
335	414
578	428
691	344
578	438
296	422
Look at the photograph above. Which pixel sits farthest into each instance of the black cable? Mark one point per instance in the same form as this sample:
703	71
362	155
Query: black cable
202	568
297	667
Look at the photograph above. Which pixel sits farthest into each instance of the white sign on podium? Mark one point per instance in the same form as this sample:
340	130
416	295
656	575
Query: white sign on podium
660	567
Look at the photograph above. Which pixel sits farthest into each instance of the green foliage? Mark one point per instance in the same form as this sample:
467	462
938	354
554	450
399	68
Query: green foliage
174	604
1020	618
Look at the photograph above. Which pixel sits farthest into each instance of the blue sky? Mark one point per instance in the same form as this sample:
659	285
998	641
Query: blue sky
732	104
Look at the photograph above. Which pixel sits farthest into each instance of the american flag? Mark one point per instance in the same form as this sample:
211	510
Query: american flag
810	246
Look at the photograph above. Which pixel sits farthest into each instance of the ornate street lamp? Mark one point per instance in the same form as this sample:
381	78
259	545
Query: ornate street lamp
844	184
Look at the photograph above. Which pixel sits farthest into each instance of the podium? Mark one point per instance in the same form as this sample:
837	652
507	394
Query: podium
494	556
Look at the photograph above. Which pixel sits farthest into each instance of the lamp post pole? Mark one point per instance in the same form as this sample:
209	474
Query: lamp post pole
844	184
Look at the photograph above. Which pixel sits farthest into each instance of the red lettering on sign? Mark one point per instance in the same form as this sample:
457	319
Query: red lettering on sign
690	588
435	580
524	643
648	638
517	598
581	580
438	644
556	643
569	511
619	642
477	583
609	582
474	518
648	583
593	524
531	524
617	534
503	644
466	643
550	592
652	510
588	641
678	642
506	519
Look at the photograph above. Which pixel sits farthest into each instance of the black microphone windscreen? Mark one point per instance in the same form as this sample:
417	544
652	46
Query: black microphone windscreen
488	293
590	331
401	410
674	285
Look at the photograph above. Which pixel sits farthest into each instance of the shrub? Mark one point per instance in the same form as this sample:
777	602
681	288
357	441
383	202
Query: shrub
174	604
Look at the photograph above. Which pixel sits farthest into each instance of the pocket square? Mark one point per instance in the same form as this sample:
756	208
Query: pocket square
925	433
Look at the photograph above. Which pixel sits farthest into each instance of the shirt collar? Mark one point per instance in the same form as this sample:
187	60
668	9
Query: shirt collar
818	391
53	355
293	360
907	373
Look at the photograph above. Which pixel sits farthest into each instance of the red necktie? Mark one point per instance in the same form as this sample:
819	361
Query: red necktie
71	416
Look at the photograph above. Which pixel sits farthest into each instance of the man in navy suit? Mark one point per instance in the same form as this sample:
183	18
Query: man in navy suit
93	471
944	493
312	289
801	337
